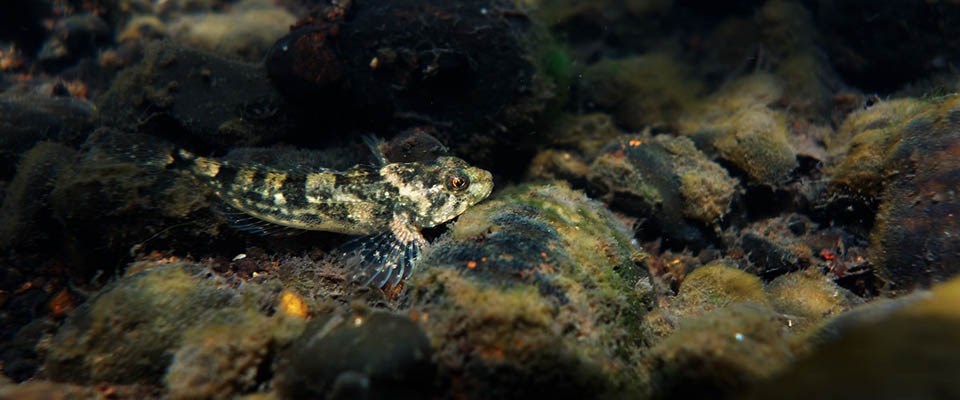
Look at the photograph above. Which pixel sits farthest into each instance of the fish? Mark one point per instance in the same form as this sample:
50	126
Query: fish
387	204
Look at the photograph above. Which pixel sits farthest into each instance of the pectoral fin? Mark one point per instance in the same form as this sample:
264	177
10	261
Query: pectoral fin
384	259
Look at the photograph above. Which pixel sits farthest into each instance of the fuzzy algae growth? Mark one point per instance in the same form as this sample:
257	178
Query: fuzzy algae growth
912	353
651	89
163	320
737	125
537	290
726	331
900	157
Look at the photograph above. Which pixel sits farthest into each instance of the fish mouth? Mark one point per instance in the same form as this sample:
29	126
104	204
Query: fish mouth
487	177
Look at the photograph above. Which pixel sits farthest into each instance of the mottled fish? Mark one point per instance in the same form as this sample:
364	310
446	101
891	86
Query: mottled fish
388	203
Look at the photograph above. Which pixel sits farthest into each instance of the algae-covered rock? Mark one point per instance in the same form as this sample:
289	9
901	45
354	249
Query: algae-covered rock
861	148
28	120
211	100
915	241
735	125
902	155
176	323
231	351
24	214
652	89
725	331
246	31
485	81
109	206
667	180
912	353
717	285
535	292
126	333
719	354
807	297
372	356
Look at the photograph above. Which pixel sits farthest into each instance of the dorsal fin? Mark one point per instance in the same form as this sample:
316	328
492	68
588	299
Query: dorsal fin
375	144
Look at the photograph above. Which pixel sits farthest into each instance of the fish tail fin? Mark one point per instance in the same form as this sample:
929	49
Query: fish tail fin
109	145
151	153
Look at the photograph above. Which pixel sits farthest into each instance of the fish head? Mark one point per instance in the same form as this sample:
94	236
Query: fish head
431	193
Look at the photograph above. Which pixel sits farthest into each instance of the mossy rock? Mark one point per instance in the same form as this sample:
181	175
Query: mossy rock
809	294
915	241
717	285
537	291
126	333
899	158
736	125
229	353
651	89
130	331
914	352
807	297
719	354
24	213
862	146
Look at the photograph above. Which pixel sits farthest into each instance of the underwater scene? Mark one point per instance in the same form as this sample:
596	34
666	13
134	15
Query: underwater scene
479	199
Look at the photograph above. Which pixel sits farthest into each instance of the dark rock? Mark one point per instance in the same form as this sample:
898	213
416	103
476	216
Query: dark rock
31	119
22	23
909	350
373	356
126	333
195	98
73	38
537	292
467	69
915	241
771	257
883	45
900	157
417	144
665	180
25	220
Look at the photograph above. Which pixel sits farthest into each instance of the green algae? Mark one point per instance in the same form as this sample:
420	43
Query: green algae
736	125
155	324
651	89
551	299
717	285
911	353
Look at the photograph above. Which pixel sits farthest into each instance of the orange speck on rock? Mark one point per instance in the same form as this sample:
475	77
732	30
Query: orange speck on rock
61	303
635	143
494	354
293	305
471	264
827	254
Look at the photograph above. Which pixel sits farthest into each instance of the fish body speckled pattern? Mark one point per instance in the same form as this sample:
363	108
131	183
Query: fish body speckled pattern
388	204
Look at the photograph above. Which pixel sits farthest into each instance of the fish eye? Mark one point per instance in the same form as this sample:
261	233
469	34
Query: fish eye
457	181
